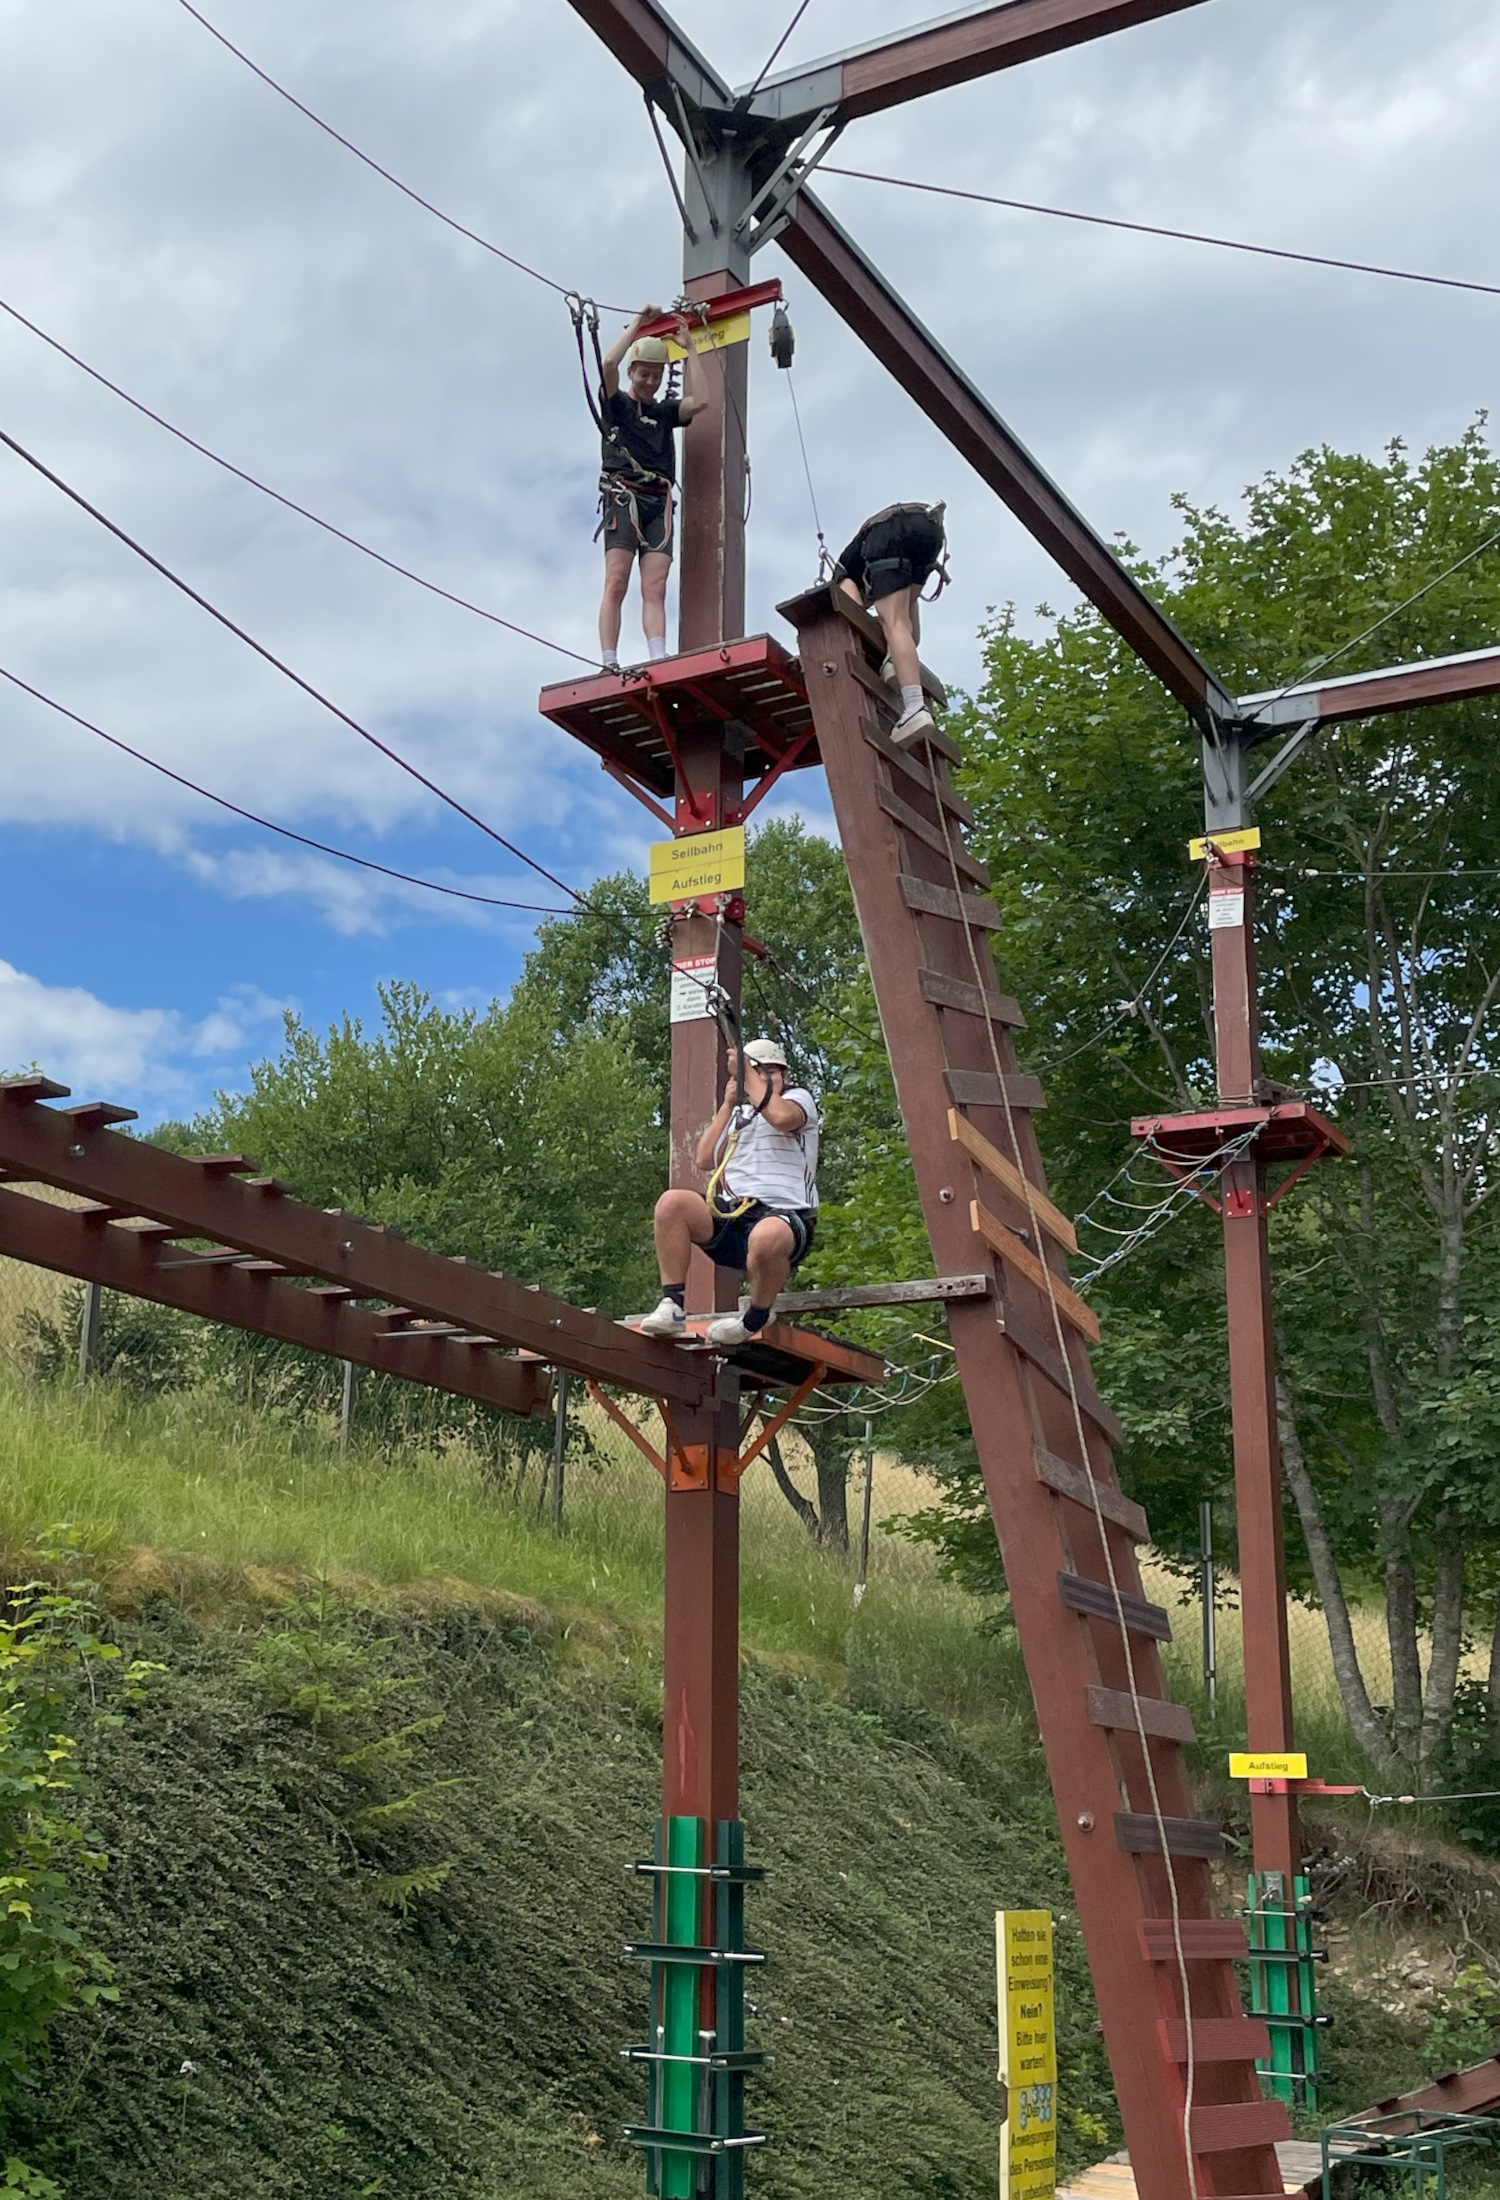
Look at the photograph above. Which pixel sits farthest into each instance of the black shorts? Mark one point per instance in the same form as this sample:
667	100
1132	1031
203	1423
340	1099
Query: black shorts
730	1244
618	529
900	550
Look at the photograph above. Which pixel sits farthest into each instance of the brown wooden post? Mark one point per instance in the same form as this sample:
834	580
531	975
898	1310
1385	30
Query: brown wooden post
700	1736
1252	1370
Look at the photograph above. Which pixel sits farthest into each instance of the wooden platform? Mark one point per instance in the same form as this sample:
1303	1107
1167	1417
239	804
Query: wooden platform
1290	1130
782	1355
632	719
1299	2160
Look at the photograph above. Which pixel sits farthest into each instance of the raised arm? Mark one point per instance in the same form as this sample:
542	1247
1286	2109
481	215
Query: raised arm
708	1142
610	380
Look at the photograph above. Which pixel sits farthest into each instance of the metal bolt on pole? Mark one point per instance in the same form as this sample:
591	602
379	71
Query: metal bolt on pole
1206	1584
346	1407
88	1334
559	1447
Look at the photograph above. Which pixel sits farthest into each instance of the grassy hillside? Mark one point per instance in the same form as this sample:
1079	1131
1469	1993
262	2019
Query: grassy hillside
370	1829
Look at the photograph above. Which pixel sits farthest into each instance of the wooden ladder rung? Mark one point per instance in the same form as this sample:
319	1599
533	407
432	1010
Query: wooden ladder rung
971	1000
1069	1481
1020	1257
940	901
949	845
1204	1940
1217	2039
1046	1359
1226	2127
981	1088
1139	1835
903	761
1096	1600
1168	1721
1005	1173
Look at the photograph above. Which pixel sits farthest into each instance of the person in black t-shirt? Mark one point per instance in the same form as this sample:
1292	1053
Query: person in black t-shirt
638	483
885	568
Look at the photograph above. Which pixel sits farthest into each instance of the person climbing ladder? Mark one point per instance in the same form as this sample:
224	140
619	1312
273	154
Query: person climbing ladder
885	568
638	481
761	1206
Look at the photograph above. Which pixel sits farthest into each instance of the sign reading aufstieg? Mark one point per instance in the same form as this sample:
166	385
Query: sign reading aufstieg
699	863
1028	2054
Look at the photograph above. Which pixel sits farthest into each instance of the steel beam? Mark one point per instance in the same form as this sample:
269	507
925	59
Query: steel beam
1373	694
953	49
649	46
828	256
74	1243
73	1150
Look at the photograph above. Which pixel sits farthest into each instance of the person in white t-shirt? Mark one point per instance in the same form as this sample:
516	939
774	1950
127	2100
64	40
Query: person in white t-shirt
762	1204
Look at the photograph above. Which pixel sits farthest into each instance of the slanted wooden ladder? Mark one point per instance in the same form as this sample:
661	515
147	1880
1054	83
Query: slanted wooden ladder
1162	1963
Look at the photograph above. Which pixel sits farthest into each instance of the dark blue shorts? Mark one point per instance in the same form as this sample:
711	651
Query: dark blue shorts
730	1244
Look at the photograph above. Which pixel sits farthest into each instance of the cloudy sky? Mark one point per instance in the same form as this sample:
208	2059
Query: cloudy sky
178	226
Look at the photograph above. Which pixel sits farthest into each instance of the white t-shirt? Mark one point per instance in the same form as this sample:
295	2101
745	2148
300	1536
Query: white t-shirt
778	1167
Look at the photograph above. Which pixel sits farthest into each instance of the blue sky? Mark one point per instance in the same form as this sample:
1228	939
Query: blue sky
166	216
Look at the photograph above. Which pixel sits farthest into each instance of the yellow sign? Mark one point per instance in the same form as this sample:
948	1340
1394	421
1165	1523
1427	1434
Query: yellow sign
1028	2054
716	336
1267	1765
1233	844
703	863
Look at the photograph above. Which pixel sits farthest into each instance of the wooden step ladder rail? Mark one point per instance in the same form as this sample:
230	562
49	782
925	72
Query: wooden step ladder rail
1017	1378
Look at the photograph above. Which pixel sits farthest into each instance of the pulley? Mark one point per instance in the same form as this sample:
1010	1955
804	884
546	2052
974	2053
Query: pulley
783	342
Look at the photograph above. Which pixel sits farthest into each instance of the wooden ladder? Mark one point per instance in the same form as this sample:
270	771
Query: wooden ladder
1067	1531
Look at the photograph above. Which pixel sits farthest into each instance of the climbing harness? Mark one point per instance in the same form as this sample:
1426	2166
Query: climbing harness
940	570
623	481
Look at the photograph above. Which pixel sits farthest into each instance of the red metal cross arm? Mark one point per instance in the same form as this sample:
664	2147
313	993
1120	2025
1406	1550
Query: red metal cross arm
953	50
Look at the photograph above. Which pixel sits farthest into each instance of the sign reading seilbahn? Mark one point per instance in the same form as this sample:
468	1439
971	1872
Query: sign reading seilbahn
700	863
1028	2054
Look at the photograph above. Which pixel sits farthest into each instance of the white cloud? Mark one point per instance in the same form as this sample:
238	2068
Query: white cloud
122	1054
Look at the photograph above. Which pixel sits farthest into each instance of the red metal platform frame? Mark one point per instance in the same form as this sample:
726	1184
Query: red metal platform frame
635	722
1290	1130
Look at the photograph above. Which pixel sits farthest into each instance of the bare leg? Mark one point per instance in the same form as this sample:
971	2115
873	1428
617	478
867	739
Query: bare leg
617	564
656	567
770	1256
898	618
683	1221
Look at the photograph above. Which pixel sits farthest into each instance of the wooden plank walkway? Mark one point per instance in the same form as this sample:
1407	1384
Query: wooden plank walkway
1299	2160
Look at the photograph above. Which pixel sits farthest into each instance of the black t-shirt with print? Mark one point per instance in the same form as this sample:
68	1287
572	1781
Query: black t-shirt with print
645	429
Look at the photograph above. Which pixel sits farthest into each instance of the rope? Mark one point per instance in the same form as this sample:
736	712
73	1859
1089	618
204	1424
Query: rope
394	755
825	556
1037	1239
289	503
1131	1007
349	146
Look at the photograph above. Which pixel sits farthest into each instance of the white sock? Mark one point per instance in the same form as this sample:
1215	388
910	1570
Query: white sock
610	659
911	699
657	644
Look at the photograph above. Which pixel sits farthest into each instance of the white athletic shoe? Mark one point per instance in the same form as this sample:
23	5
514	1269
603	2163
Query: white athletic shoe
668	1320
730	1330
909	730
888	672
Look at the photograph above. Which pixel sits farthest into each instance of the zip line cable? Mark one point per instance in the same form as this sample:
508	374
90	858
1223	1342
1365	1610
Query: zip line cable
291	505
484	243
1320	665
395	757
1141	991
1153	229
304	840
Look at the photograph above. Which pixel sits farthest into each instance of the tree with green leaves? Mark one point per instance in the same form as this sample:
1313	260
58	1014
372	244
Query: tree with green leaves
1379	945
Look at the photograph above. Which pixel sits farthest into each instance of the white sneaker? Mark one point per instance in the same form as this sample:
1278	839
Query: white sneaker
668	1320
888	672
730	1329
909	730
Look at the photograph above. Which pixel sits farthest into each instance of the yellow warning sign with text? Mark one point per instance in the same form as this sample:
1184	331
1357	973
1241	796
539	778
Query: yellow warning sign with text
702	863
1028	2054
717	336
1261	1764
1232	843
